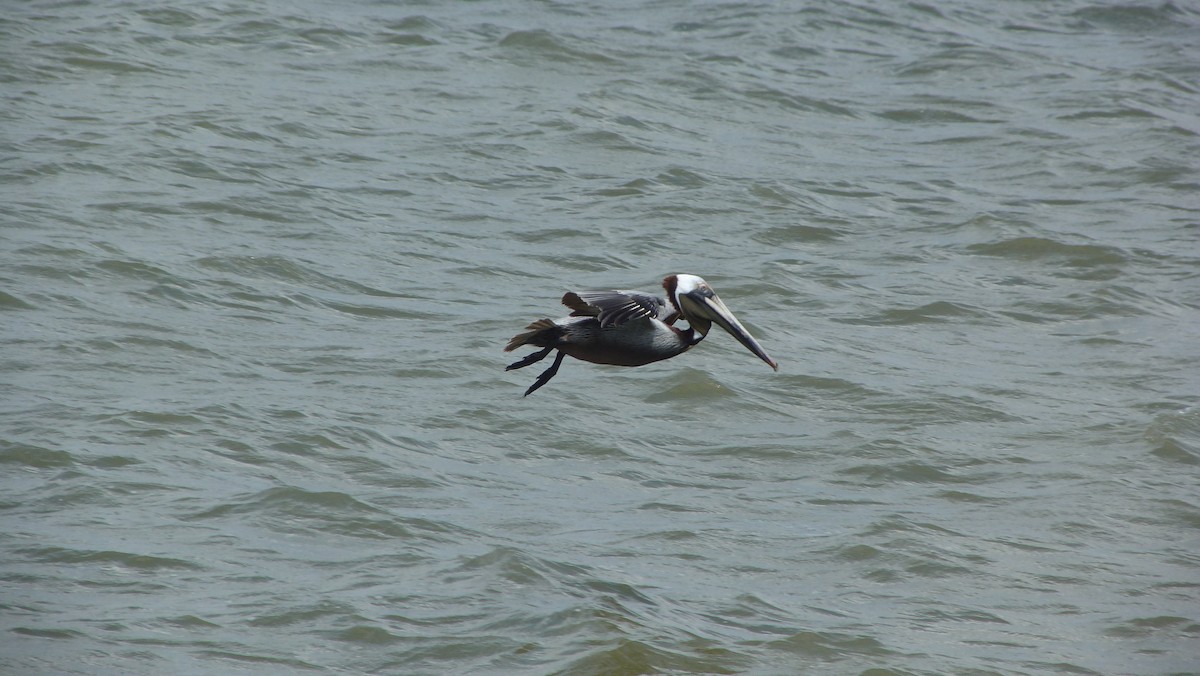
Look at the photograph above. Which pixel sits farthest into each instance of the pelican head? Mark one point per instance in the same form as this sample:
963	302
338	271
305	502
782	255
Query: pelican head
700	307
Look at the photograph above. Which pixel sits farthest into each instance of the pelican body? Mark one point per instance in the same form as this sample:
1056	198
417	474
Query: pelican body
630	328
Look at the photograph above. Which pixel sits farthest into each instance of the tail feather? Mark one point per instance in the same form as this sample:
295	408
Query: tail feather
542	333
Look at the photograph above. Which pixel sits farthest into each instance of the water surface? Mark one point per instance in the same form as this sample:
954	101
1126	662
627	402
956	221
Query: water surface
259	261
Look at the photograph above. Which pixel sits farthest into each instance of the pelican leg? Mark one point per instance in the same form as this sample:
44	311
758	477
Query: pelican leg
547	374
529	359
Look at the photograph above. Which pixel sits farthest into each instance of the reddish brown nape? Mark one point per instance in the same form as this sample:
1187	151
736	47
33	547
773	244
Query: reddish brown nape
669	284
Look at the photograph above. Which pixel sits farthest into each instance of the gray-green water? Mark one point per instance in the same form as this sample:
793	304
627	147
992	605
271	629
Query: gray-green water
259	261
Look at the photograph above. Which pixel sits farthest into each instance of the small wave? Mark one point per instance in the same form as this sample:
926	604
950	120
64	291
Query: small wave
1041	249
634	656
1176	436
935	313
551	46
831	645
24	455
693	386
291	510
1135	18
127	559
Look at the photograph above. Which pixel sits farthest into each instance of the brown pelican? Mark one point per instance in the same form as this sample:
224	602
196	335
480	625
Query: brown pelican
630	328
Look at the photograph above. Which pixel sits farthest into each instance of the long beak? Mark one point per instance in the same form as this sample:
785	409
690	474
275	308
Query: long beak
702	306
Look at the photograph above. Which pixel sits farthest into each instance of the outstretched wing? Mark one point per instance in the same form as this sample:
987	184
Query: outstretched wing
612	308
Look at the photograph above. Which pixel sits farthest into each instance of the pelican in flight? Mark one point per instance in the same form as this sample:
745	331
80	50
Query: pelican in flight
630	328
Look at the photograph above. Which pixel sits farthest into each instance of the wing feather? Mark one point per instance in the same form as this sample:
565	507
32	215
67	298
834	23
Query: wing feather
613	308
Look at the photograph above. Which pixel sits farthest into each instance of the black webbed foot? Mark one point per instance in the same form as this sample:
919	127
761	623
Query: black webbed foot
529	359
547	374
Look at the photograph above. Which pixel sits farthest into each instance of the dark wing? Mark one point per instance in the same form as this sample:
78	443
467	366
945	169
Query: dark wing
612	308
